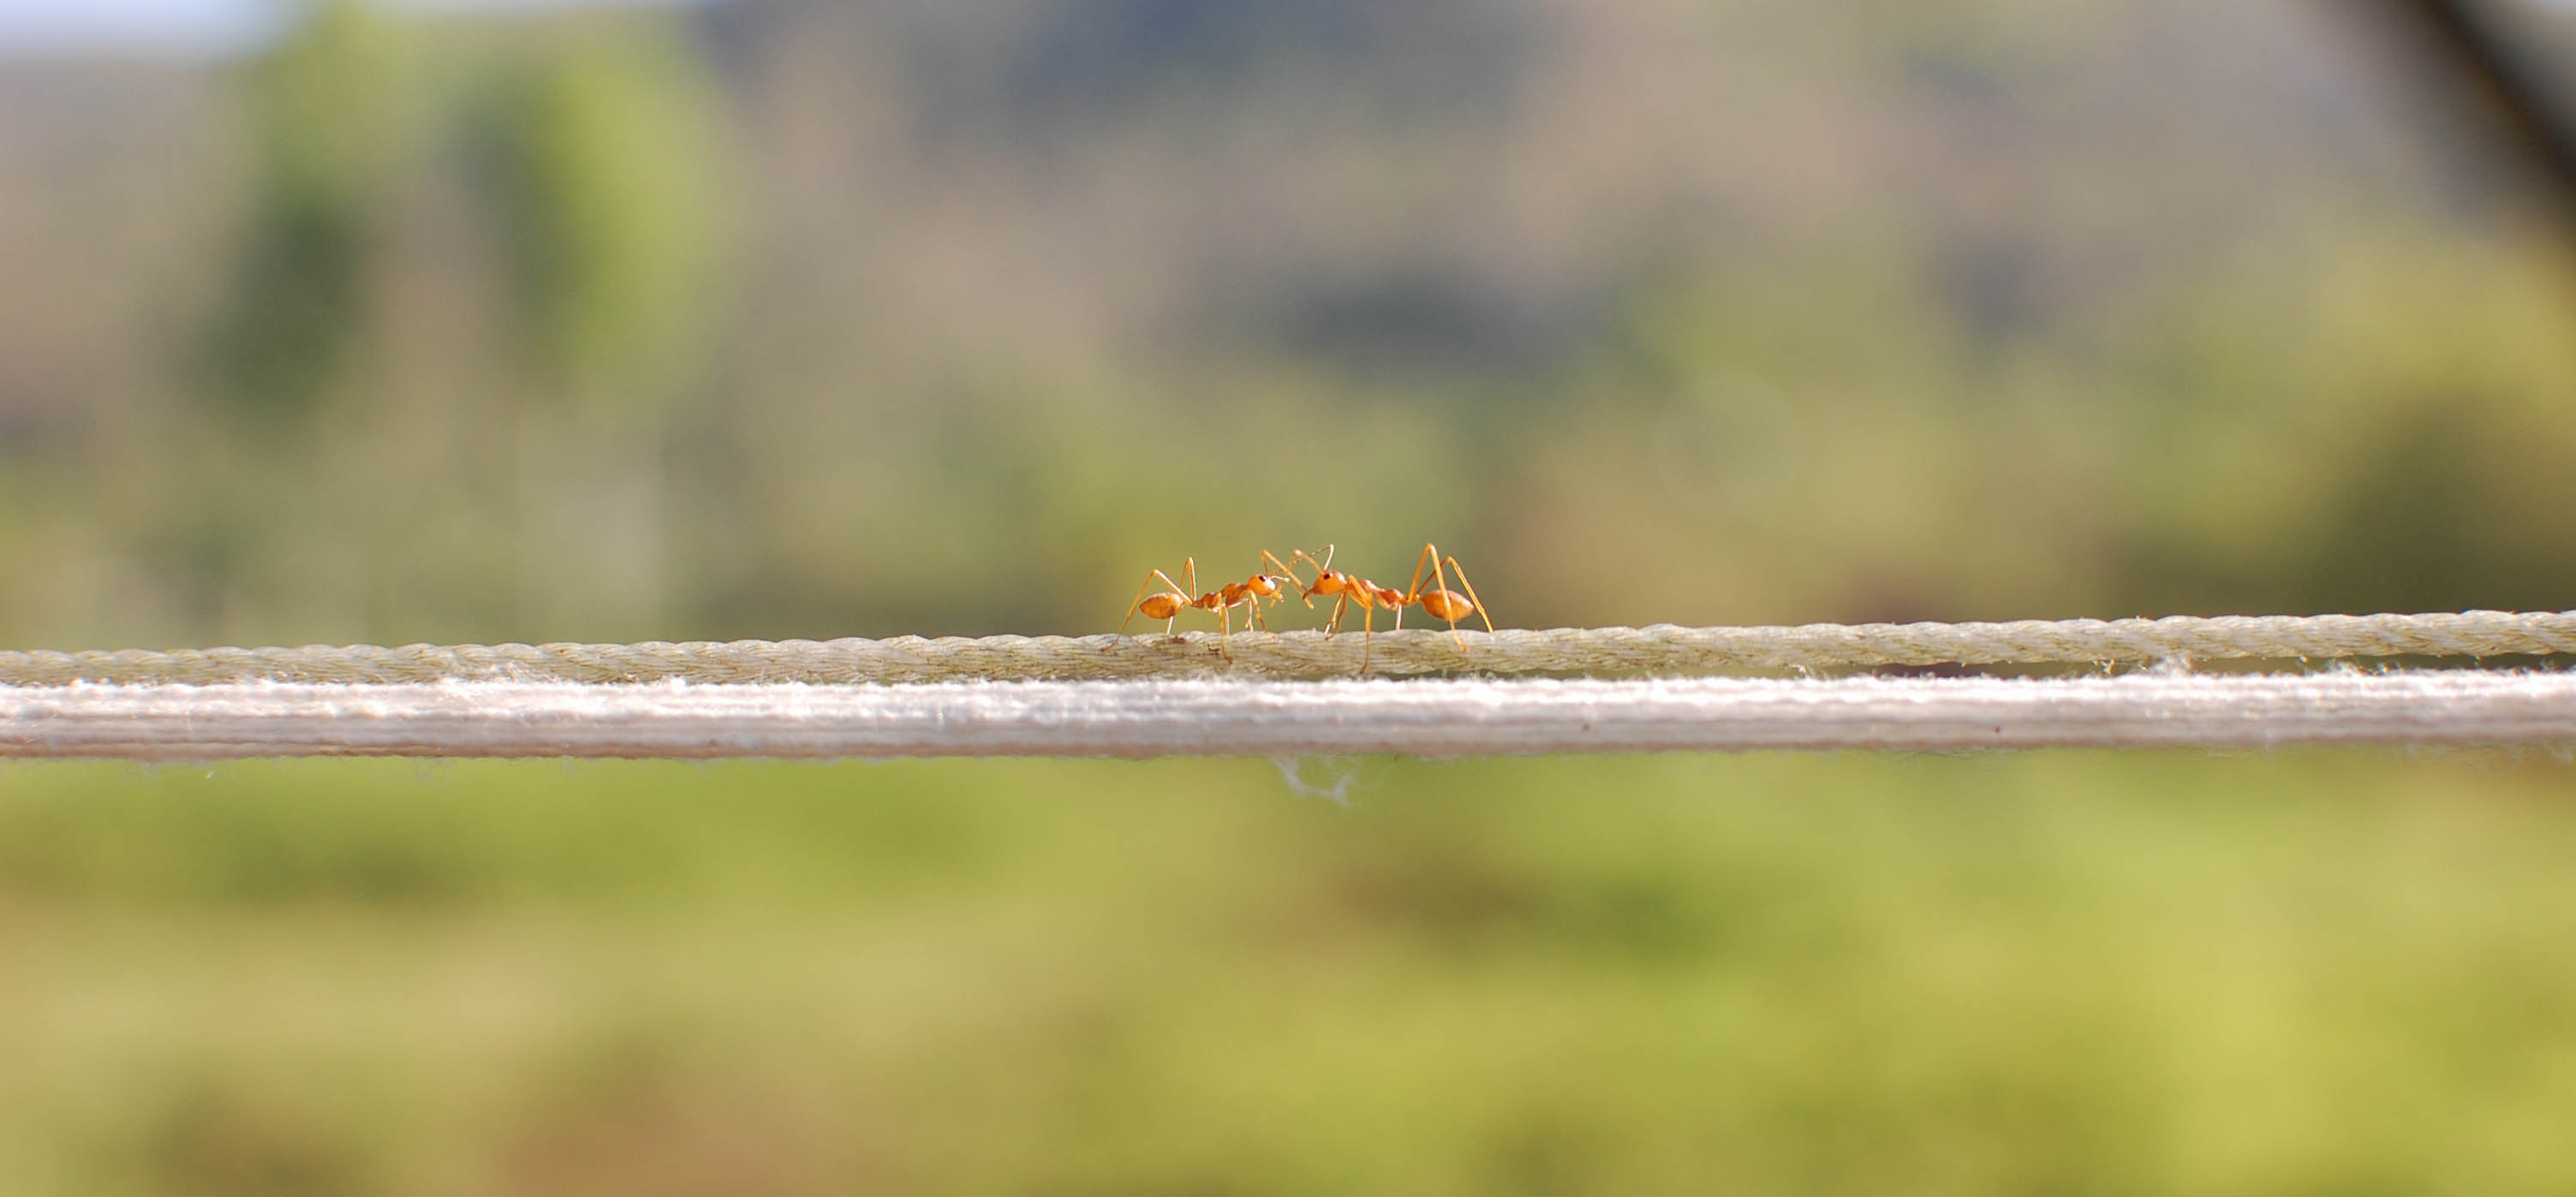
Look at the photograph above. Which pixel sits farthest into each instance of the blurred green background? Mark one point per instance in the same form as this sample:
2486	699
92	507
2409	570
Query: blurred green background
798	318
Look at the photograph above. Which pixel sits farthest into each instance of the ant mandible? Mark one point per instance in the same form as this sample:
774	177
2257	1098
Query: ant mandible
1175	598
1440	601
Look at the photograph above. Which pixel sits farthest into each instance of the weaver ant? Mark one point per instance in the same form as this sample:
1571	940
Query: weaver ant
1440	601
1175	598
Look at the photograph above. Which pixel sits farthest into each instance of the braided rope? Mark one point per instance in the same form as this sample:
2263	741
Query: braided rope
1662	650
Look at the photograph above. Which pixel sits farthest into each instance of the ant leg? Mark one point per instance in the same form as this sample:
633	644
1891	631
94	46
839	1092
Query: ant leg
1190	574
1439	582
1171	626
1481	613
1441	579
1137	603
1413	590
1430	561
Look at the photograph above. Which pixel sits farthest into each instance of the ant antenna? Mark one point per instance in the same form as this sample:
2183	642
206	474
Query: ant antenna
1290	574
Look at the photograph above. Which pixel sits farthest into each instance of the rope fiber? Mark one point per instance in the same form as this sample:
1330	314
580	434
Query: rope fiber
1662	650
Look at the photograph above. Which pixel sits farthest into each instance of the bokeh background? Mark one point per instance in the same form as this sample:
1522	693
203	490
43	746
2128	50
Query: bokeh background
806	318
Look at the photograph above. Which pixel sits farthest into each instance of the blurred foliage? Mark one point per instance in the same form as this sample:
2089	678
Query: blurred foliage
327	107
788	318
2072	973
609	160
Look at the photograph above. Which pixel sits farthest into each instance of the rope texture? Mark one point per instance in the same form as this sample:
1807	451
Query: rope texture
1254	717
1660	650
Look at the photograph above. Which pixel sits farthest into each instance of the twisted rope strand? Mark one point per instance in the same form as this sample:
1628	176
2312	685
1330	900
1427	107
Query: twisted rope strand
1660	650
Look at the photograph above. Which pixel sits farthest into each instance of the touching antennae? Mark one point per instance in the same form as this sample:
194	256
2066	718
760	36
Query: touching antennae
1290	574
1436	600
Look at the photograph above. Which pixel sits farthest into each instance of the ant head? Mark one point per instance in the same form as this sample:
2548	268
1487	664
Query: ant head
1326	581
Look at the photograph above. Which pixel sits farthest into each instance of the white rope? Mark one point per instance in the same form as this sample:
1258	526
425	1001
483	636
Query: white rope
1663	650
1242	717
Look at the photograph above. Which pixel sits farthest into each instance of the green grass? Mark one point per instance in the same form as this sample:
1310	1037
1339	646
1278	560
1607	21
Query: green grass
2056	973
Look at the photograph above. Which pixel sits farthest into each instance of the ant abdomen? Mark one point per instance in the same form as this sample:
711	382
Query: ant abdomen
1447	604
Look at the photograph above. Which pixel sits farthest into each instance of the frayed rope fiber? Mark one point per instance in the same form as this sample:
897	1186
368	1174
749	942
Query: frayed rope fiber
1661	650
1252	717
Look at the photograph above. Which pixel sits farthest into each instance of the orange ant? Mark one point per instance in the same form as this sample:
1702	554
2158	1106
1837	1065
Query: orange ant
1175	598
1440	601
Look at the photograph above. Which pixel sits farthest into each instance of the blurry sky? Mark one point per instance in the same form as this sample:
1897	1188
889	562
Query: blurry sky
233	24
202	25
184	25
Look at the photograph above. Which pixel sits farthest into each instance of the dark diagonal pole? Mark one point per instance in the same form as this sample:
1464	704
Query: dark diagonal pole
2513	83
